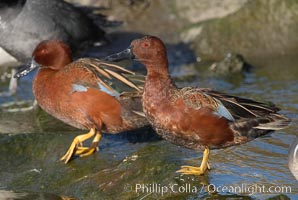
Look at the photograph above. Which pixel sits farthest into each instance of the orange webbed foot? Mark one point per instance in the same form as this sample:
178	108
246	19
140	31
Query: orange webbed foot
190	170
77	148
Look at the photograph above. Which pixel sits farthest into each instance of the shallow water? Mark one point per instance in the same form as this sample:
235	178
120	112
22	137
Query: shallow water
139	165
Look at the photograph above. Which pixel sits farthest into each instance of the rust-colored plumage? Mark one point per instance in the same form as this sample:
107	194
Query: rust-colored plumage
196	118
86	94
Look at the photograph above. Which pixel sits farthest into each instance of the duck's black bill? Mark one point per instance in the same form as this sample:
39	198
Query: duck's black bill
123	55
29	67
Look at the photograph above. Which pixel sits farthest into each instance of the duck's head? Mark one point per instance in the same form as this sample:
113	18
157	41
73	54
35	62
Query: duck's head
53	54
149	50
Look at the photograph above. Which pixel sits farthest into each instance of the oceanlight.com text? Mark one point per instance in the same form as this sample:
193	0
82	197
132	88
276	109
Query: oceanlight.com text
211	188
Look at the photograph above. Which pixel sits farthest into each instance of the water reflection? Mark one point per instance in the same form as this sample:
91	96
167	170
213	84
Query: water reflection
11	195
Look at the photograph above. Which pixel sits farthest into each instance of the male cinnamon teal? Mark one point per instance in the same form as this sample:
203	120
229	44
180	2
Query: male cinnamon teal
85	94
196	118
25	23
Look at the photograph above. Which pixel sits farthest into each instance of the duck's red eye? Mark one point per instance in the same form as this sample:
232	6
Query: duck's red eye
145	44
43	51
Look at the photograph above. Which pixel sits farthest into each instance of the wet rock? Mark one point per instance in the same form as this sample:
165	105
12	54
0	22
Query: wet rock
231	64
10	195
198	11
258	29
214	28
23	117
17	122
279	197
144	16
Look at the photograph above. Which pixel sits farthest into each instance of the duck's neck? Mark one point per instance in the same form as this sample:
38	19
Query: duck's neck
158	82
42	81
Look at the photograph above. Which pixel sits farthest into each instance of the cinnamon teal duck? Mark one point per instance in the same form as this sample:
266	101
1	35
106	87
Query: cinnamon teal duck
196	118
86	94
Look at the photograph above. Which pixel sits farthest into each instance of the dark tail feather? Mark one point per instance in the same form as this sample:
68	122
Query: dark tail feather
276	122
251	128
251	119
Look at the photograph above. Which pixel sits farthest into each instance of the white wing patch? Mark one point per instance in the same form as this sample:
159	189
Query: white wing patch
79	88
113	93
223	111
82	88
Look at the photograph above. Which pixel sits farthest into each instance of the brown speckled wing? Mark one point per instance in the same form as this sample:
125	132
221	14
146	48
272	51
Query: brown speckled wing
239	110
193	98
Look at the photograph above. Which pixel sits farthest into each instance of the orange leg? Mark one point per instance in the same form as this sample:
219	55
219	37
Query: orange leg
77	148
197	170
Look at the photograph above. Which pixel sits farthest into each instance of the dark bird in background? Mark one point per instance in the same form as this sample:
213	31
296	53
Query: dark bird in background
25	23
